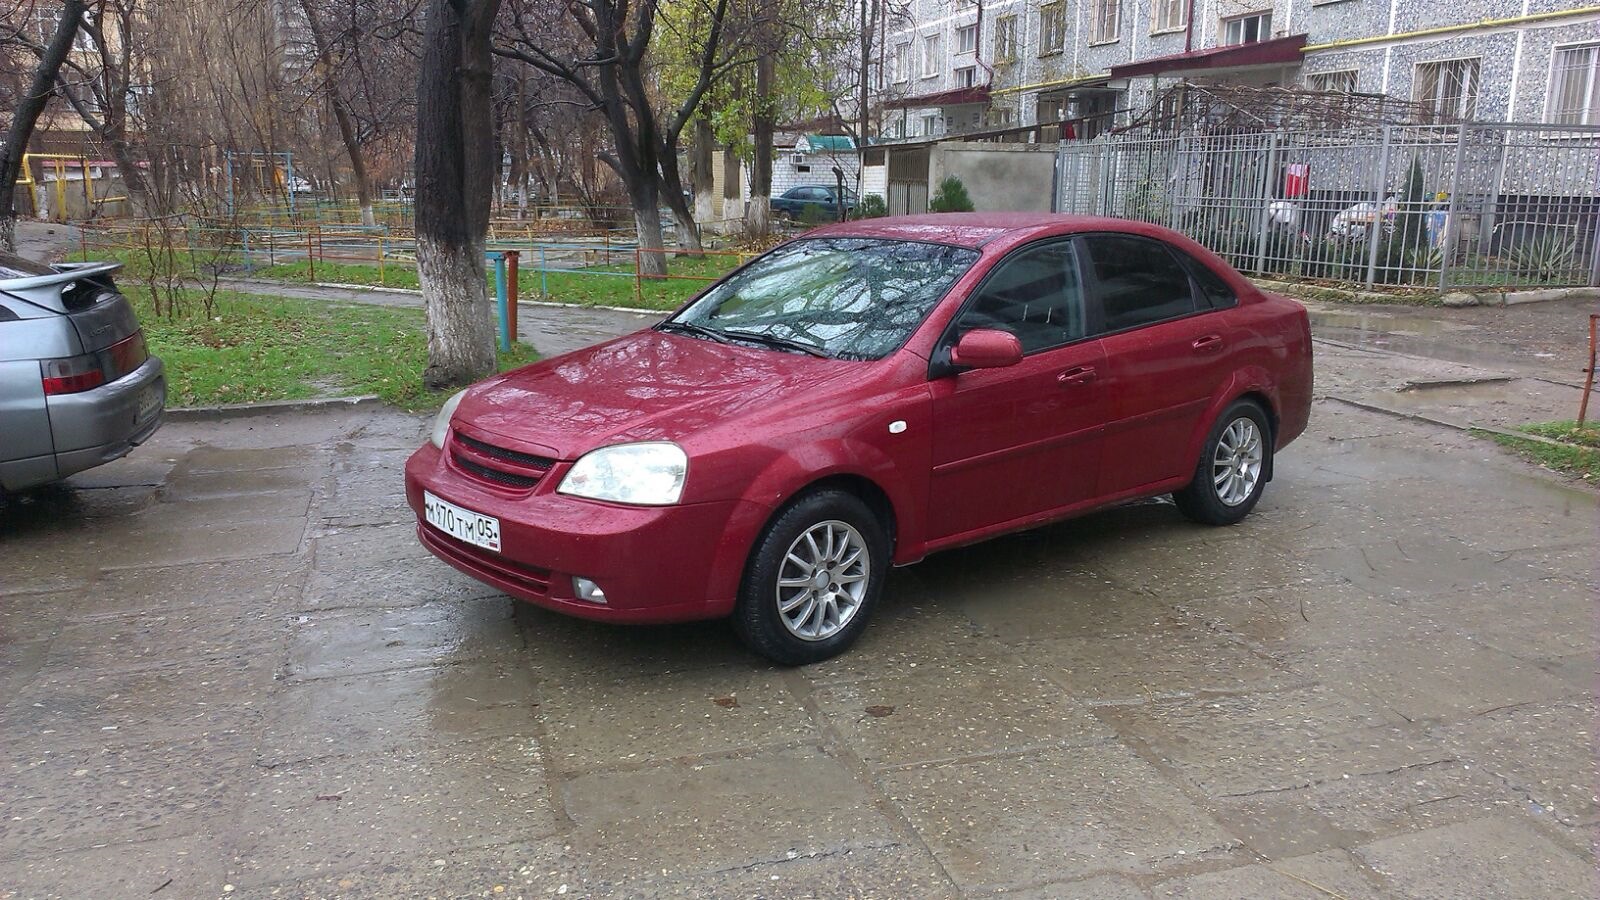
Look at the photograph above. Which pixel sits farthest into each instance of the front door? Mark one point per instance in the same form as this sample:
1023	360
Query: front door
1020	441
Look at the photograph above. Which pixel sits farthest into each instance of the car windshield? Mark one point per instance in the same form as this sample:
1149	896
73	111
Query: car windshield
847	298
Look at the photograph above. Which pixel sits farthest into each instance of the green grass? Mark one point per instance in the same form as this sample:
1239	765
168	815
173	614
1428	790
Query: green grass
609	285
1579	454
253	349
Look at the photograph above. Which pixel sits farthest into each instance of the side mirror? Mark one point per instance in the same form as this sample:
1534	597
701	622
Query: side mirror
986	348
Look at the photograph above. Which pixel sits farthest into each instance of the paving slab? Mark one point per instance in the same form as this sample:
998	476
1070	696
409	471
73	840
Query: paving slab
1486	858
1052	816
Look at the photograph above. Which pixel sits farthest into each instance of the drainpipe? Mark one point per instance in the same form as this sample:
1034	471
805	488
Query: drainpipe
1188	28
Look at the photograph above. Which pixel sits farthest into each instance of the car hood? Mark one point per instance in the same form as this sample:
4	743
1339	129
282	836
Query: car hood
642	387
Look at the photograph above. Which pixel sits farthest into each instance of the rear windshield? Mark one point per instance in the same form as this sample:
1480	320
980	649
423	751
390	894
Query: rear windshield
14	266
848	298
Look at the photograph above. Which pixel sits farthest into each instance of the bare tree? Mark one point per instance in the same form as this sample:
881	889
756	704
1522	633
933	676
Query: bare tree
29	108
601	47
455	167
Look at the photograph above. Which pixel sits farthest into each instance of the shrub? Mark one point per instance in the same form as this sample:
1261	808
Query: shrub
951	197
871	206
1549	256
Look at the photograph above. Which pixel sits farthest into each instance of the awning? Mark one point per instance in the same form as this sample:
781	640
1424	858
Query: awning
957	97
1276	52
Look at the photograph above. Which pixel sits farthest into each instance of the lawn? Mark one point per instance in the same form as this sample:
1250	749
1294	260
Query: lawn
271	348
599	285
1578	454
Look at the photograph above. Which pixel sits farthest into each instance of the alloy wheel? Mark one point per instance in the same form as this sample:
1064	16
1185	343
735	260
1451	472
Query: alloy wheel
822	580
1236	465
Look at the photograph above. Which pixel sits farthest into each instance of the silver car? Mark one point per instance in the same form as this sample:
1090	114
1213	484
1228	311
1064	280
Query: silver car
78	388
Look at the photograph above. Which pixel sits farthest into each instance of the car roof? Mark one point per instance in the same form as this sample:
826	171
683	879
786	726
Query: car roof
976	229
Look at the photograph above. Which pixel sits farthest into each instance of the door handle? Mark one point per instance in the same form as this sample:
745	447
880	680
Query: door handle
1211	343
1080	375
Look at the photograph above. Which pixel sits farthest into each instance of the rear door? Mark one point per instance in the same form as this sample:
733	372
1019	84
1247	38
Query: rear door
1015	442
1166	346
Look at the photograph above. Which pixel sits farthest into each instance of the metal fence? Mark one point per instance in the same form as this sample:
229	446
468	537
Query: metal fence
1418	206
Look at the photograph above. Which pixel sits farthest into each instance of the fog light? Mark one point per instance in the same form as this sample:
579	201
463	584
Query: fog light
587	590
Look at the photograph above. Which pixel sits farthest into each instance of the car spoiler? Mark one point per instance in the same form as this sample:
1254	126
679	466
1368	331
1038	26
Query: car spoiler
45	290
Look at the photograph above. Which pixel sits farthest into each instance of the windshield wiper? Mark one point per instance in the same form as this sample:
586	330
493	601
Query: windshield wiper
783	343
691	328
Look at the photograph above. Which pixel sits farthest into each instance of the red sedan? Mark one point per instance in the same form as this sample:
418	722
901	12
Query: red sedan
859	398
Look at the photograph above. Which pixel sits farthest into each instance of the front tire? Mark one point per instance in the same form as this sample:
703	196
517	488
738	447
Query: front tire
1233	467
813	579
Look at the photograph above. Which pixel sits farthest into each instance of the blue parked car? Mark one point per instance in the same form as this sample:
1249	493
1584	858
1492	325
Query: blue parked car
821	200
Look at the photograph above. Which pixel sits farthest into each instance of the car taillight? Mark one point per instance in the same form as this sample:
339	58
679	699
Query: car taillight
72	375
124	356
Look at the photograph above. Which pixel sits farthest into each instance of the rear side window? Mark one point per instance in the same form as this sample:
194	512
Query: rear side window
1137	281
1213	289
1035	295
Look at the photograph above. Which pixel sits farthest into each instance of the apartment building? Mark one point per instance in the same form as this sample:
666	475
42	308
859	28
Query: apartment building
958	66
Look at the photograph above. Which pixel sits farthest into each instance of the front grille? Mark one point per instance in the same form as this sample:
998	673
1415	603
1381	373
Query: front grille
498	465
532	579
495	475
526	459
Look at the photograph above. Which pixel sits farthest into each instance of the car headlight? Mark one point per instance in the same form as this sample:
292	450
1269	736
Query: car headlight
648	474
441	422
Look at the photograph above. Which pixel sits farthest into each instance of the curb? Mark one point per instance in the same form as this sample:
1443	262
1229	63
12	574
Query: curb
266	408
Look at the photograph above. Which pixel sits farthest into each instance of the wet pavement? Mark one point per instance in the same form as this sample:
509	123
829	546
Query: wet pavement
227	669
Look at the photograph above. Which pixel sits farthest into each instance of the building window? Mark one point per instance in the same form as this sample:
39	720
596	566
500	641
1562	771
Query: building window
1005	38
967	76
1105	21
931	53
902	63
967	39
1000	117
930	125
44	21
1052	29
1574	97
1167	15
1333	82
1247	29
1447	90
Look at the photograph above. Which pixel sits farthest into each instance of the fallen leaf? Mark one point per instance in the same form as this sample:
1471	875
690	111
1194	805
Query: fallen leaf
878	712
726	702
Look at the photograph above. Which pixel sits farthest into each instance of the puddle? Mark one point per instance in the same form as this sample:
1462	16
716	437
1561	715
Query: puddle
1409	334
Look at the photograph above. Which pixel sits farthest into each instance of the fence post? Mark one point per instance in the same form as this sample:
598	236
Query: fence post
1375	230
638	283
311	257
511	289
544	277
500	298
1268	185
1447	241
244	234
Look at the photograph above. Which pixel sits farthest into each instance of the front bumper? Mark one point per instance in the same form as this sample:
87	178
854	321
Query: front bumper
655	564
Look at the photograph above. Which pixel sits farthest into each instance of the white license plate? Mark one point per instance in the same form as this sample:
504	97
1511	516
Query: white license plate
462	524
149	402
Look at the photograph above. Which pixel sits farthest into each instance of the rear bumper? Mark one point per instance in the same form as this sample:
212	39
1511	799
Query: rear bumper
95	427
655	564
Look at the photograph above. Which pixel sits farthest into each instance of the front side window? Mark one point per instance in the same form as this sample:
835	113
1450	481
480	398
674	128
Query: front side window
1247	29
1106	21
1574	97
1035	295
1447	91
847	298
1137	281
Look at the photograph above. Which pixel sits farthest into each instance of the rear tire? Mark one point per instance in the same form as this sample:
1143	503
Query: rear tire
1233	467
813	579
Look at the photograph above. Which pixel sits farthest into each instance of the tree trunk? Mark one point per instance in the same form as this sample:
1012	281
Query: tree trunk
688	232
701	176
647	219
757	213
454	169
27	115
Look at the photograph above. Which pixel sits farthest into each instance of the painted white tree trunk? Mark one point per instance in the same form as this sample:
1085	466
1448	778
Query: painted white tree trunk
652	258
758	215
461	329
367	218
